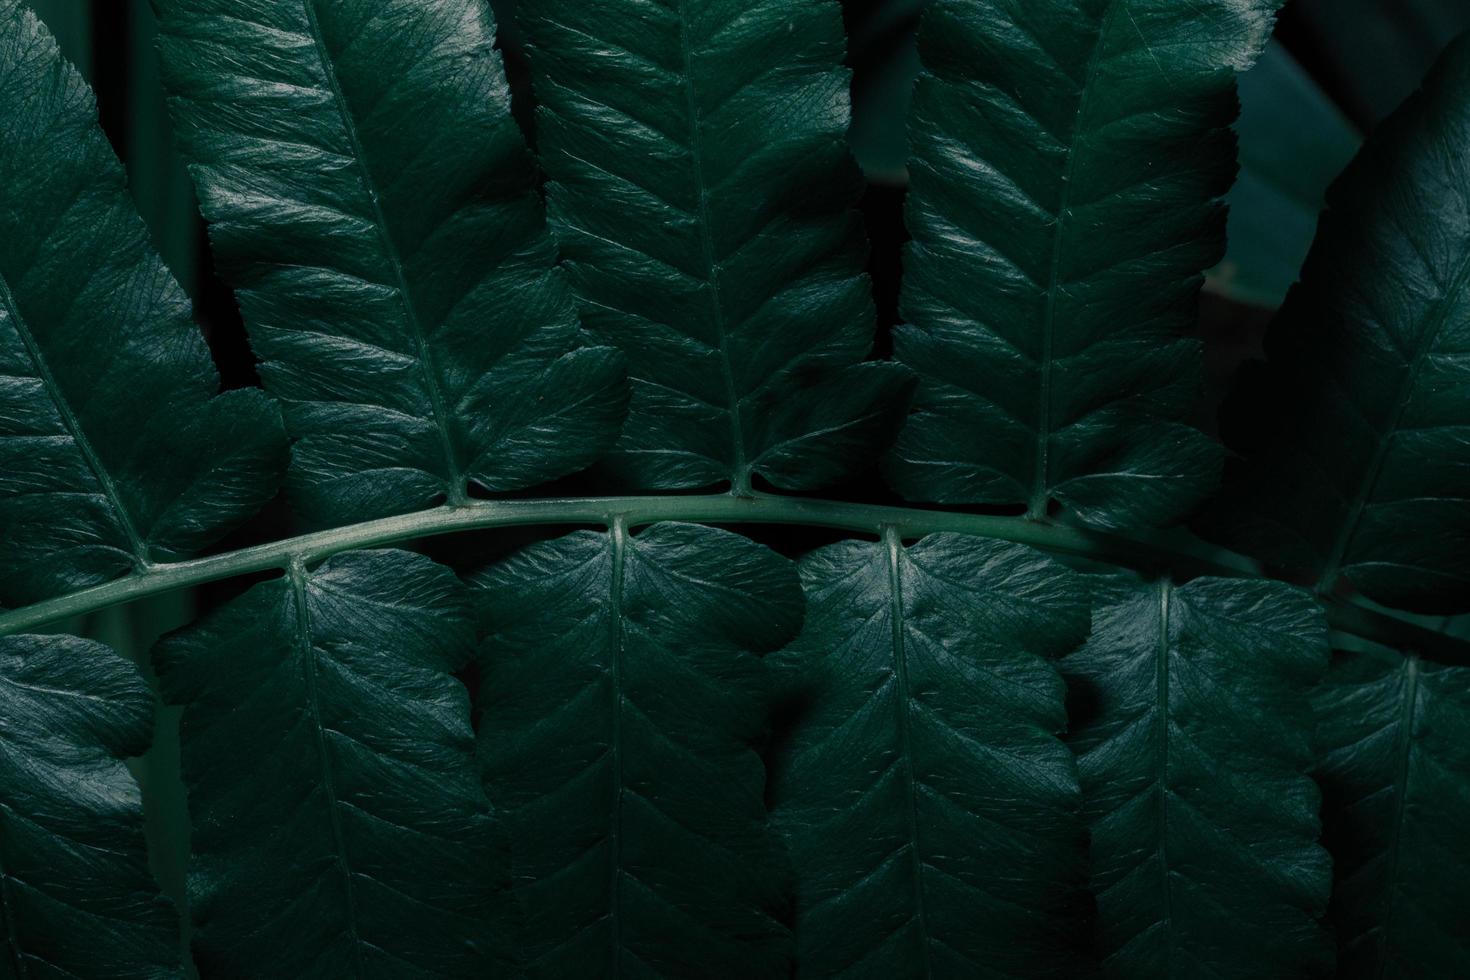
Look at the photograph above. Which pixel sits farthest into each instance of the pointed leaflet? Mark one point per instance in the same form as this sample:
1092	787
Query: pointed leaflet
1191	724
623	695
102	375
703	195
1394	744
339	826
931	811
76	898
1359	465
1069	161
371	199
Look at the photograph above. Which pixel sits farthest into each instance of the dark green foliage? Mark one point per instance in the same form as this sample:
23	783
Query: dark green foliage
339	826
1359	466
102	375
1395	771
983	761
76	899
1069	161
931	811
623	698
703	196
1193	731
371	199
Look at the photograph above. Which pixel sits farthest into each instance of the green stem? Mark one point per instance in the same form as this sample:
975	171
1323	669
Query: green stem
1181	560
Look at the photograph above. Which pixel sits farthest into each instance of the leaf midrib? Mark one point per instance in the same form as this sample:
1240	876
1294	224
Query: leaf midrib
1041	478
740	478
1438	317
619	540
1161	738
456	490
893	551
1403	756
74	427
307	652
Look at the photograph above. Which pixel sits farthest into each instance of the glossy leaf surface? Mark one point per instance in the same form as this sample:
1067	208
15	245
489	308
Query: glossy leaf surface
102	374
1394	740
371	200
76	898
931	810
1359	467
623	698
1069	160
339	825
702	192
1192	729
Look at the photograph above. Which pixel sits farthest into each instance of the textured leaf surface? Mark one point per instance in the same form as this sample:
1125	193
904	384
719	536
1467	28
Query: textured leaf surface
1359	458
1069	160
76	898
1192	728
703	194
372	201
339	825
1394	740
102	374
623	695
931	810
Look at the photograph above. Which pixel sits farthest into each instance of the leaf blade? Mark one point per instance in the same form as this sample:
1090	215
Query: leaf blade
1192	733
1360	408
101	371
1052	356
931	809
623	697
73	861
404	299
1392	763
366	844
731	269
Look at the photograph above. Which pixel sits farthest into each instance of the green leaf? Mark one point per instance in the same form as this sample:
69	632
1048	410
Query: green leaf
883	50
339	825
703	194
1394	738
371	199
623	697
1358	462
76	899
102	375
930	808
1192	730
1293	143
1068	166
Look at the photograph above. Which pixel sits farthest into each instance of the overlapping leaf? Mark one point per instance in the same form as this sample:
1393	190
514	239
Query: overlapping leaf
1069	160
1294	141
1359	464
339	825
623	695
102	374
1192	728
76	898
1395	775
931	810
703	193
372	201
